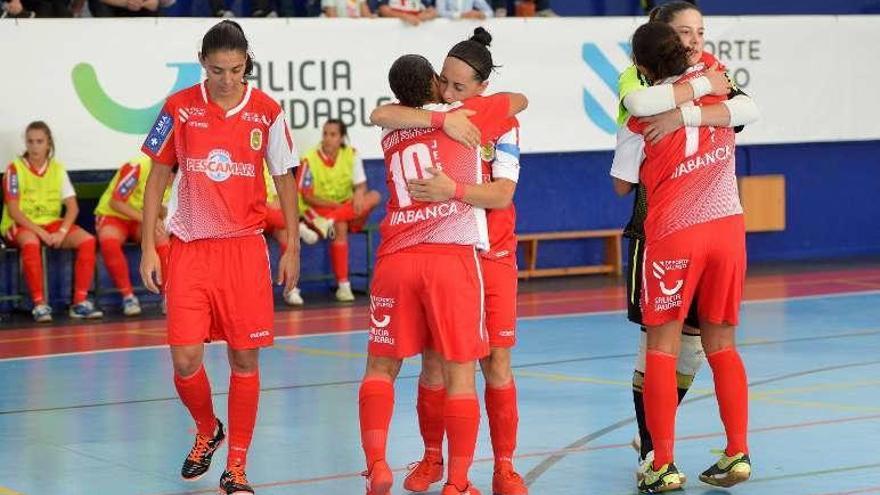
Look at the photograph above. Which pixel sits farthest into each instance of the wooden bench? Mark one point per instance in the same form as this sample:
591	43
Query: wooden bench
613	263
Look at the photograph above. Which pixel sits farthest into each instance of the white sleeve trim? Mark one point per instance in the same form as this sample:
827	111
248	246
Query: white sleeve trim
743	110
67	190
281	153
359	176
650	101
628	155
506	163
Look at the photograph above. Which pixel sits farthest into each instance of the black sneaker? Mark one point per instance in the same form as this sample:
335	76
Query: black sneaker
198	461
234	482
665	479
728	471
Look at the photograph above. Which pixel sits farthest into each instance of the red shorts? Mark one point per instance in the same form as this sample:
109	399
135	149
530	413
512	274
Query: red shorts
706	261
51	228
220	289
428	293
500	280
274	220
131	228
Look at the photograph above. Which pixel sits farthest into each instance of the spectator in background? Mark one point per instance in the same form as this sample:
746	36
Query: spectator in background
219	9
36	187
541	7
464	9
648	5
118	217
412	12
124	8
346	8
334	186
36	8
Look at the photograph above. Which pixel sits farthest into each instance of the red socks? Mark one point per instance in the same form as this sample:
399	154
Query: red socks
429	405
732	392
376	404
32	263
117	265
661	400
83	270
195	392
462	417
244	396
503	420
339	260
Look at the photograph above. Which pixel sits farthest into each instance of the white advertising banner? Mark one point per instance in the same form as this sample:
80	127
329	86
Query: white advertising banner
99	83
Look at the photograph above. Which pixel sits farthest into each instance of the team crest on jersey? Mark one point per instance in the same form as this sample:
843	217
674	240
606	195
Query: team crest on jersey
256	139
671	281
487	152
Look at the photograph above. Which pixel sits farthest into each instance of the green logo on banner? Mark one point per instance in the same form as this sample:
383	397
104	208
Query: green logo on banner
120	117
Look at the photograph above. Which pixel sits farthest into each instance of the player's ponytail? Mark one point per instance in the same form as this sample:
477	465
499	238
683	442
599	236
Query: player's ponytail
39	125
228	35
666	13
475	52
658	50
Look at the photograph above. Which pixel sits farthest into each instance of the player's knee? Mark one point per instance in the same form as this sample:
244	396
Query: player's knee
496	368
186	365
244	361
383	367
374	198
460	378
432	370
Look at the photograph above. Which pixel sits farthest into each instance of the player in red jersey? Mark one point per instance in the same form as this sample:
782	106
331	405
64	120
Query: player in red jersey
658	104
465	74
219	284
428	282
695	253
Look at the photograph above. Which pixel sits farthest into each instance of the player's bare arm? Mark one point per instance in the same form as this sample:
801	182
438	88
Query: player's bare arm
288	269
492	195
153	192
455	124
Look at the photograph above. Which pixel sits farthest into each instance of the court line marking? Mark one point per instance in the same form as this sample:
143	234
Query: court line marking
361	331
536	472
582	449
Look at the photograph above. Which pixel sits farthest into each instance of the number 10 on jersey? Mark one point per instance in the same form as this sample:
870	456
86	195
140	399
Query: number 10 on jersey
411	163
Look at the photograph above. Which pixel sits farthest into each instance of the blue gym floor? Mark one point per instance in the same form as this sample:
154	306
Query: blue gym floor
110	422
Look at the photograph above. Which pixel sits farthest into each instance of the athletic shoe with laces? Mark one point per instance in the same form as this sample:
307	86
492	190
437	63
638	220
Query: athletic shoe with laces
379	478
131	306
294	298
344	293
506	481
728	471
234	481
450	489
423	474
42	313
85	310
645	464
198	461
323	226
664	479
307	235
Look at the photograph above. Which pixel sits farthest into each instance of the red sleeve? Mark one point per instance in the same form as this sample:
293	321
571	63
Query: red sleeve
10	183
636	125
129	175
159	144
491	115
709	60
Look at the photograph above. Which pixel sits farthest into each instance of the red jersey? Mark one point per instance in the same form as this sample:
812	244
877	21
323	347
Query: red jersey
689	176
219	190
409	152
501	161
